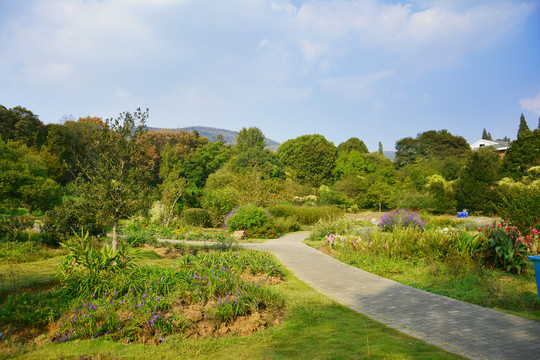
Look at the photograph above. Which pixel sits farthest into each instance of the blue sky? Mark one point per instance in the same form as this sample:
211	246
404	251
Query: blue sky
376	70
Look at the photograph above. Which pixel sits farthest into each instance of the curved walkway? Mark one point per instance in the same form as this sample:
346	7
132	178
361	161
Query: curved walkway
459	327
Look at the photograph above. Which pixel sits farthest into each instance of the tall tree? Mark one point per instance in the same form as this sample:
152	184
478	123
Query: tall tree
523	127
24	178
259	160
380	149
486	135
115	178
22	125
352	144
431	145
474	189
250	138
522	154
309	159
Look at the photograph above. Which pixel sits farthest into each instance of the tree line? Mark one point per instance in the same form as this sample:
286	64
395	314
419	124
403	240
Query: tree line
117	168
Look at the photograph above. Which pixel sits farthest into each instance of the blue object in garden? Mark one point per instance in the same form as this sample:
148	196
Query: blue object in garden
536	261
462	214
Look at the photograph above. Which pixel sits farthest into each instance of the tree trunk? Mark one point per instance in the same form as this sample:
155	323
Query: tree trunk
115	234
380	207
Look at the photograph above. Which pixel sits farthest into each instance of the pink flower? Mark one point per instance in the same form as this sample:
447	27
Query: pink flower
534	232
499	226
508	228
480	230
528	238
519	239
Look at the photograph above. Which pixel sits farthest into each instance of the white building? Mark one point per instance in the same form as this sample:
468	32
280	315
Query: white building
500	146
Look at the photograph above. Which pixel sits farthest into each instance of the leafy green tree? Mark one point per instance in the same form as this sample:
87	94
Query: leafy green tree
352	144
523	127
443	194
360	175
204	161
20	124
116	176
486	135
431	145
378	194
415	175
381	152
474	189
24	178
309	159
250	138
69	142
352	163
381	168
172	189
261	160
407	152
523	153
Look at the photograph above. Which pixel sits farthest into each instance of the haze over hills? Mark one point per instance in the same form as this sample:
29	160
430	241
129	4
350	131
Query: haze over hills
229	135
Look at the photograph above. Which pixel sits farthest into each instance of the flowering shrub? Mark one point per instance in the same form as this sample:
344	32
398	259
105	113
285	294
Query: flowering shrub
532	242
326	228
508	250
359	243
400	218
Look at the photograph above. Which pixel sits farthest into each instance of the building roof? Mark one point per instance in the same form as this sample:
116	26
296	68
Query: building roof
499	144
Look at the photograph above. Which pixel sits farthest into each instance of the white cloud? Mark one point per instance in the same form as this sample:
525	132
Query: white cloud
311	50
531	104
437	34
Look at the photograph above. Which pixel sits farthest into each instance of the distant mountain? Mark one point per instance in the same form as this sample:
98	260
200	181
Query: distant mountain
390	154
229	135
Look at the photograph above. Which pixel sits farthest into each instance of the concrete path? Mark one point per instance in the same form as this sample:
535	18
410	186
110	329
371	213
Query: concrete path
459	327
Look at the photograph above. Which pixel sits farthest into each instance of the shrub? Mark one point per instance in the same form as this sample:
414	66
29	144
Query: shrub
71	216
86	266
287	224
12	227
521	208
326	228
507	251
218	203
306	215
196	217
400	218
255	220
266	231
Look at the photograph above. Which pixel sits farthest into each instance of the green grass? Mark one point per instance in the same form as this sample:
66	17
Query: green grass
314	327
492	288
26	274
20	252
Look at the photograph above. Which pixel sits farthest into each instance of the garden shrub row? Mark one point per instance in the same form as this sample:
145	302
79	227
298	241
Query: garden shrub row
306	215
